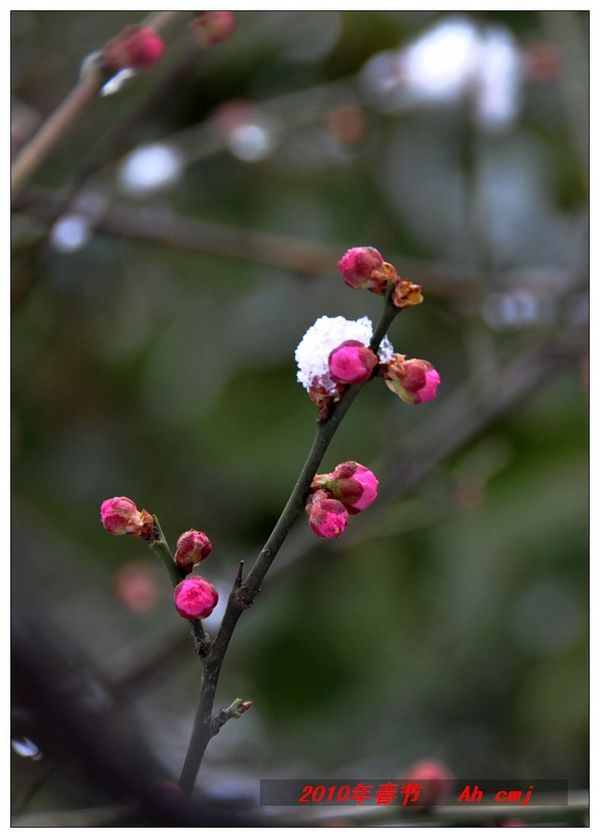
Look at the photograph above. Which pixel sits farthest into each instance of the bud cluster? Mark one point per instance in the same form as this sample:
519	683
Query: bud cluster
347	490
364	268
195	597
336	353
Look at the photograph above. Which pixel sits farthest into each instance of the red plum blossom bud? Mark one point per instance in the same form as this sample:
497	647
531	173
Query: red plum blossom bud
351	363
210	28
436	778
363	269
120	516
355	486
414	381
193	547
195	598
327	517
135	47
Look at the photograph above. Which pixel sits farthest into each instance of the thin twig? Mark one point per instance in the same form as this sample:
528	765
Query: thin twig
241	597
160	547
161	226
33	154
58	124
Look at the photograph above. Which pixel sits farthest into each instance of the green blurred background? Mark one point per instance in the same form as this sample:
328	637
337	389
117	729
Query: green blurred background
450	621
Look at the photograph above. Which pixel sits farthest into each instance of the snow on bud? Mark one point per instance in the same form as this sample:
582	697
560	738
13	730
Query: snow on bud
352	484
406	294
195	598
351	363
135	47
363	269
193	547
210	28
120	516
414	381
313	352
327	517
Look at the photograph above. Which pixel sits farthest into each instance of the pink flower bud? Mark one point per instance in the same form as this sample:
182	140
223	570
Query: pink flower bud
195	598
120	516
210	28
354	485
136	47
193	547
352	362
436	778
414	381
363	268
327	517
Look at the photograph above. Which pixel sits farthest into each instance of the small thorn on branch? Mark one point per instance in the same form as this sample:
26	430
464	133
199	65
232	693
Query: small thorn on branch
240	576
236	709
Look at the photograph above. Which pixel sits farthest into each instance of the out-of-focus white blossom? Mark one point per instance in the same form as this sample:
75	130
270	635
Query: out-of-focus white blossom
327	333
518	309
454	60
442	63
70	233
499	84
252	141
150	168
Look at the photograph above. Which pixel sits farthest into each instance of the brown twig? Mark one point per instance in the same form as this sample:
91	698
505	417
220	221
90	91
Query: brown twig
58	124
165	227
243	595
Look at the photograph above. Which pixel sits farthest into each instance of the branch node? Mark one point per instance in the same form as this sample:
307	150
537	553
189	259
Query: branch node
202	642
243	597
240	576
236	709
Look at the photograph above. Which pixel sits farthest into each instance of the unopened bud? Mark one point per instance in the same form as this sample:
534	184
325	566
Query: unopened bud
120	516
363	269
137	47
195	598
193	547
352	362
210	28
355	486
414	381
327	517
